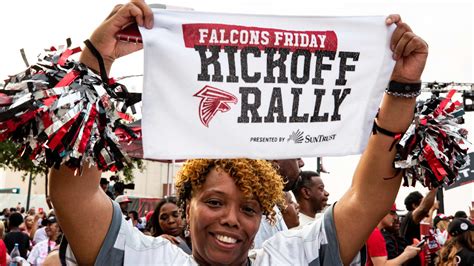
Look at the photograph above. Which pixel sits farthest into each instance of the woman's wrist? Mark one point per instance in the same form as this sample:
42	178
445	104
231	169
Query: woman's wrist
404	89
88	59
396	113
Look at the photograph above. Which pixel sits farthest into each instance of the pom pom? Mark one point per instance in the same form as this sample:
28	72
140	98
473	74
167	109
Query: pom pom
59	111
434	147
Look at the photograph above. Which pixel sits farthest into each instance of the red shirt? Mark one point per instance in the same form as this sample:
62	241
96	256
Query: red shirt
3	253
375	246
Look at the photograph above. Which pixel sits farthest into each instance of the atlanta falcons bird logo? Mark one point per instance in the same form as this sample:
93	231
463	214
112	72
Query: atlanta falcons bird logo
213	100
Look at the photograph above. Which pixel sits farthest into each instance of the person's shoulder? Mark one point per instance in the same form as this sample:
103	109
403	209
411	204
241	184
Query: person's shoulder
25	235
14	235
466	255
407	220
385	233
42	242
408	216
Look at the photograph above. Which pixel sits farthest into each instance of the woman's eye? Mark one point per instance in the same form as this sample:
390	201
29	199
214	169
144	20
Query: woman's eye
164	217
249	210
214	203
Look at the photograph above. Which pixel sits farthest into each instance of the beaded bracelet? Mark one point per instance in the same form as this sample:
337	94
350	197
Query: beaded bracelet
406	90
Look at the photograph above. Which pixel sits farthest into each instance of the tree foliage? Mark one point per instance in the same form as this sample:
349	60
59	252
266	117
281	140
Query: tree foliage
127	171
10	158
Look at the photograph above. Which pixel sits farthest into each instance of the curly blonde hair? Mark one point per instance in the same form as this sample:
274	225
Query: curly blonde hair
255	178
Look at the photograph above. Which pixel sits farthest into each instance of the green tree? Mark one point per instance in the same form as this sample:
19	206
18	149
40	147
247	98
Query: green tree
11	159
127	171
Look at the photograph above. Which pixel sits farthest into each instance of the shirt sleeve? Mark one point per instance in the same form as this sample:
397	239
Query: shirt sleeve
376	244
108	255
40	235
266	230
33	255
126	245
314	244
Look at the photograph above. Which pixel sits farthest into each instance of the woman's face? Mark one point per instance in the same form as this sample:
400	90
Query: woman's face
29	221
222	222
170	219
290	214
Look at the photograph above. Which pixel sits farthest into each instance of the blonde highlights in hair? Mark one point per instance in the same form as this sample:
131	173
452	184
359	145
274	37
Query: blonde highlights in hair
255	178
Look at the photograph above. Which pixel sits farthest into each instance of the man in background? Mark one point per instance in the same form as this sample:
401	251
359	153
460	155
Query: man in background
41	234
104	184
311	196
418	208
394	243
376	245
42	249
123	201
15	236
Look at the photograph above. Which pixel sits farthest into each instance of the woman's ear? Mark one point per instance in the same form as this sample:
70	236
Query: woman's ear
188	203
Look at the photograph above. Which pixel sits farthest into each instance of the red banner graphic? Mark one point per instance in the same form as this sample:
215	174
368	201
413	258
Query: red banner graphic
241	36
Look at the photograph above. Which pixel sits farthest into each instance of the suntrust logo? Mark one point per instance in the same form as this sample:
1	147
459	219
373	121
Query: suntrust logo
299	137
296	137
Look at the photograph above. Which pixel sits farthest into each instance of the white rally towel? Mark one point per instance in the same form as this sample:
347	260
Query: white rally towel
255	86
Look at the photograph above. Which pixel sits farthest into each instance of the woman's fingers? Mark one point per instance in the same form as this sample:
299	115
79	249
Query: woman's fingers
135	11
147	13
401	45
116	8
401	29
393	18
414	45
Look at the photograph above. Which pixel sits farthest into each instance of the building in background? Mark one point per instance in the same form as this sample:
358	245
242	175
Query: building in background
156	181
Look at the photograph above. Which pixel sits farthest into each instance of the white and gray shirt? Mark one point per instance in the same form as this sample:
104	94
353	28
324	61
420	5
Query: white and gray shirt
314	244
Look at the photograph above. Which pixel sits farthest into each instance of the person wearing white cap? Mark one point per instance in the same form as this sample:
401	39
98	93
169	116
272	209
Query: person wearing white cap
123	201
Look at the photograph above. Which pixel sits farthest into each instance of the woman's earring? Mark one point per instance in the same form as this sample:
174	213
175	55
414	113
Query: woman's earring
276	166
187	233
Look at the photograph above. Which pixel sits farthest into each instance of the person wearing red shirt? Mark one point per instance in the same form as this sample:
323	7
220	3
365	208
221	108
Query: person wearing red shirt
3	248
376	247
3	253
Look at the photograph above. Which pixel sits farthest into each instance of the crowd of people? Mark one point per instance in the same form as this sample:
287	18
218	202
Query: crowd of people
448	239
244	211
35	234
439	237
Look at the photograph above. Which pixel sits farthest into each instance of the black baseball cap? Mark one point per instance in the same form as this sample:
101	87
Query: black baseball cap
459	226
49	220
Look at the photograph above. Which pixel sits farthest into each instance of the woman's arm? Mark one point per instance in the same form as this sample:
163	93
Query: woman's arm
83	209
371	193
